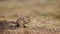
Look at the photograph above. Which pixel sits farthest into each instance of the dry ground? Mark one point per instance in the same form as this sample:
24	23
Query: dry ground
43	15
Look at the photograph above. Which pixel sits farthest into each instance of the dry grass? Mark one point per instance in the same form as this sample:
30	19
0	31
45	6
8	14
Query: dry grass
42	15
31	31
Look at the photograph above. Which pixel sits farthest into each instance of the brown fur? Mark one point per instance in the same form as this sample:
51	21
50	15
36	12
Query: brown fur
22	21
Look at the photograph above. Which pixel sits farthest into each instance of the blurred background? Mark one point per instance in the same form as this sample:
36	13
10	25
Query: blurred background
44	13
8	7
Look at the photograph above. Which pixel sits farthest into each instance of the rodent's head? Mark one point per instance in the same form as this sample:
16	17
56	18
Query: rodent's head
26	19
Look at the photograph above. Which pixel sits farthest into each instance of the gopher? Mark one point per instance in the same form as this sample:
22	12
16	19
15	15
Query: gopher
12	25
22	21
